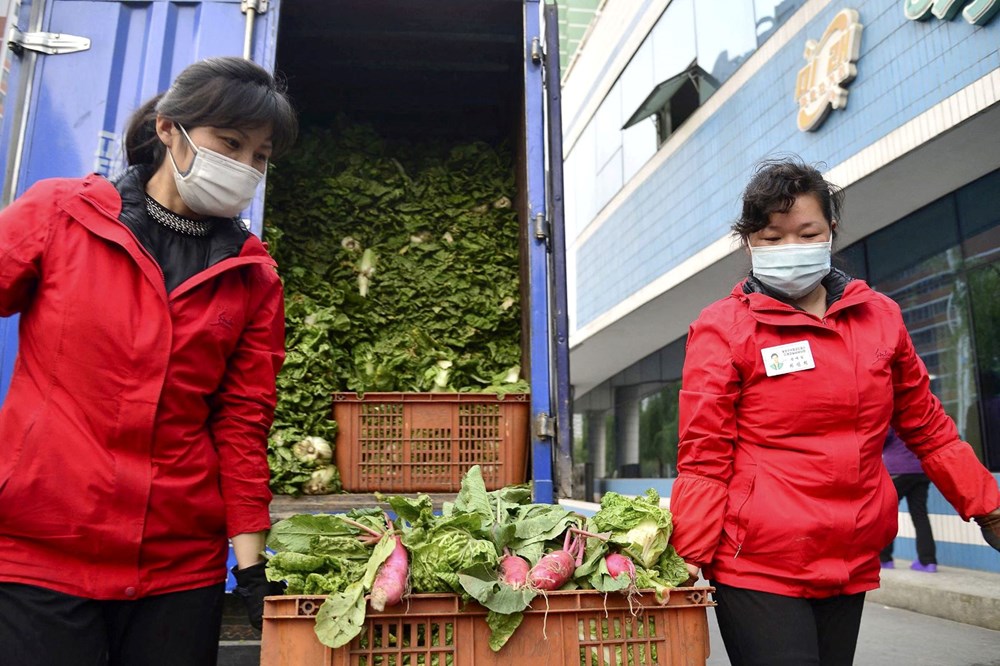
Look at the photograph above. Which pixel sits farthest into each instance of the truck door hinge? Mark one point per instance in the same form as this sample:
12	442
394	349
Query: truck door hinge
544	426
51	43
536	50
258	6
541	227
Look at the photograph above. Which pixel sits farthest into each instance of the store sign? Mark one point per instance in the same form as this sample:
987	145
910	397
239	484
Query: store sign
820	86
976	12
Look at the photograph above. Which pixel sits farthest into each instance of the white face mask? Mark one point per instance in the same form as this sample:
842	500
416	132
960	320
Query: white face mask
793	269
214	184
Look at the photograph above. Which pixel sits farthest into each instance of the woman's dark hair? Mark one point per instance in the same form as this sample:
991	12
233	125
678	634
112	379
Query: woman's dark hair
215	92
773	189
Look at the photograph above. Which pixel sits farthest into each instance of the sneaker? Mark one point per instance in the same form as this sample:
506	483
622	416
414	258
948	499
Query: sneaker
926	568
889	565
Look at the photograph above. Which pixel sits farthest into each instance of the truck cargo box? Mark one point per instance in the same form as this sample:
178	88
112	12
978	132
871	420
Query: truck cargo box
451	69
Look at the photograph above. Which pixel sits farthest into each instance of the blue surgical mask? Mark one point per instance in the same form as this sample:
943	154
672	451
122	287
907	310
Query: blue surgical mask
791	270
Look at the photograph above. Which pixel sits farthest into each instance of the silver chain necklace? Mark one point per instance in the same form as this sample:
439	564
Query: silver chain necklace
175	222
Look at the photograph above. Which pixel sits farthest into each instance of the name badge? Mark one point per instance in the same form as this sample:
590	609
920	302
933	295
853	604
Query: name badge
783	359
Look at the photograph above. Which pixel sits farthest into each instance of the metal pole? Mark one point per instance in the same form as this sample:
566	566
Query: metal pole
248	34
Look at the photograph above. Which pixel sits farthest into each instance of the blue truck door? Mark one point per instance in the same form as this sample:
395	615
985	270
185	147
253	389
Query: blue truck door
551	431
557	253
65	112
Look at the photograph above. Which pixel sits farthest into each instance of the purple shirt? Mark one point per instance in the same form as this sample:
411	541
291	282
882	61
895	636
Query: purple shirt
899	459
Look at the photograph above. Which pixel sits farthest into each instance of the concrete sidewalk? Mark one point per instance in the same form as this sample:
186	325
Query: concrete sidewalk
962	595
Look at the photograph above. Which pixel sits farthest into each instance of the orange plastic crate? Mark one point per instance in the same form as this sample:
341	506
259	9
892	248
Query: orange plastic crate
578	628
426	442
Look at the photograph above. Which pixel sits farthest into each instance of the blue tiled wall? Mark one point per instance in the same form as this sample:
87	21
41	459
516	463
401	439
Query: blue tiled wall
905	68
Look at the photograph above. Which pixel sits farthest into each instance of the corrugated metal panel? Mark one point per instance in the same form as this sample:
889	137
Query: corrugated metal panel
82	101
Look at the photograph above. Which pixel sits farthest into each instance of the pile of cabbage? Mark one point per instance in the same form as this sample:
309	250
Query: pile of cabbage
400	264
459	551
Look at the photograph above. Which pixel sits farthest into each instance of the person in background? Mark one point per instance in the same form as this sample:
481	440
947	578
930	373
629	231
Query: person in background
781	499
133	436
911	483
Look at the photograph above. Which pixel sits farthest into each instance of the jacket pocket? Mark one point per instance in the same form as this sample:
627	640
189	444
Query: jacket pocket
737	519
11	464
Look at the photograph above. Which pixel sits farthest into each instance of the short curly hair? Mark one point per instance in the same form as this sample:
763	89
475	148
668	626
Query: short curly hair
774	187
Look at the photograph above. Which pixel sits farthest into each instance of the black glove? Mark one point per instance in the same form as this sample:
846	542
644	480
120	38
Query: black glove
990	524
252	586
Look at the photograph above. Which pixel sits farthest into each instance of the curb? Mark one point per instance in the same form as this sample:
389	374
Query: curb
961	595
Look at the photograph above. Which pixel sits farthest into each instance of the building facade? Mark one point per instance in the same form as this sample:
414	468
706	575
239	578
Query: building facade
667	110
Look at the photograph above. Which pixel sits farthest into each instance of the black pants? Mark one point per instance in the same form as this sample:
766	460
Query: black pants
914	488
39	627
764	629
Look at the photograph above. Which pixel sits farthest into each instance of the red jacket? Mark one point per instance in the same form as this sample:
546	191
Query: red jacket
132	439
781	486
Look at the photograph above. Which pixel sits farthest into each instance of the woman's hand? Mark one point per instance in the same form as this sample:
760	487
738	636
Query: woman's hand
693	572
990	525
252	586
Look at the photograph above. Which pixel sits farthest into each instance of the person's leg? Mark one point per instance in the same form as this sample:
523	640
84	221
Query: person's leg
39	627
838	620
763	629
886	556
168	629
916	499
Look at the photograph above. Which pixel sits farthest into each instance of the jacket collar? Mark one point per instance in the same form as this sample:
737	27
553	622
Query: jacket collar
843	292
835	282
96	203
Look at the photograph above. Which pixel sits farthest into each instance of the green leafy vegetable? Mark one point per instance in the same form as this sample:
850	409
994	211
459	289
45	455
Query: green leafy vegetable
482	585
400	264
640	526
502	627
459	551
341	617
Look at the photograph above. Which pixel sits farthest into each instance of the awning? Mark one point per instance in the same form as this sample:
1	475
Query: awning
664	91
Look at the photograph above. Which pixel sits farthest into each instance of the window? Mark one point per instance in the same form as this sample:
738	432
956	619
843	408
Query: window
725	34
658	433
674	100
771	14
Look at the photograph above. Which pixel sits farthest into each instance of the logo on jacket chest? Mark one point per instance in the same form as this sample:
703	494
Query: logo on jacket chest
883	354
224	319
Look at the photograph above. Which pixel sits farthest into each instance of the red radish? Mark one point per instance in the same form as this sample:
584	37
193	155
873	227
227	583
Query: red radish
618	564
390	583
552	571
514	570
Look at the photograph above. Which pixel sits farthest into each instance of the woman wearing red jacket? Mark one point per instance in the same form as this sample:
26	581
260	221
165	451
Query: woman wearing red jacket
789	386
133	436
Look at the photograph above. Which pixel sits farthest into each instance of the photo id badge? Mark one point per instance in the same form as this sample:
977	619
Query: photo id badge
793	357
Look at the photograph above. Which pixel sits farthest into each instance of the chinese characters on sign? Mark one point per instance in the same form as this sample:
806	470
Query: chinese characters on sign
976	12
830	66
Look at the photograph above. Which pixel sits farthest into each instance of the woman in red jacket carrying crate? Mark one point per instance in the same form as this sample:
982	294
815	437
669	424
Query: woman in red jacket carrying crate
133	436
789	386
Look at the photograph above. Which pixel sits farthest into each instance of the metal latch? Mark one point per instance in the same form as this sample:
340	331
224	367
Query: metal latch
257	6
536	50
544	426
52	43
541	227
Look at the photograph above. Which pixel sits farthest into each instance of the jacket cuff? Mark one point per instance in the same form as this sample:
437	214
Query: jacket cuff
247	519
